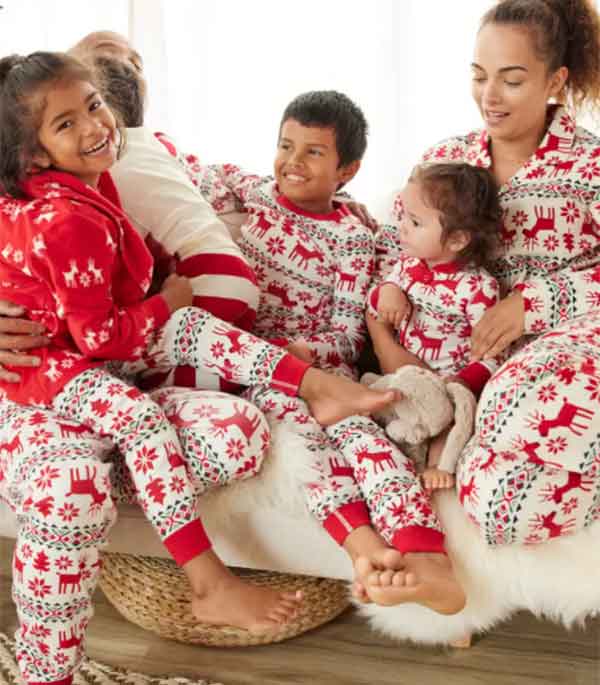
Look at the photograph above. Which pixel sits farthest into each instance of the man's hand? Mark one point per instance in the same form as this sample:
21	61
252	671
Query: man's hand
17	334
392	305
501	325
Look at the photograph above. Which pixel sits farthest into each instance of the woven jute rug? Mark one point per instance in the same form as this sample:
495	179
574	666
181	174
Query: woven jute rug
90	673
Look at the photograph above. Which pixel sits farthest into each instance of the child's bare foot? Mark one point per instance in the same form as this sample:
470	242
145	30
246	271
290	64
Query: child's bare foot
426	579
221	598
332	398
436	479
364	542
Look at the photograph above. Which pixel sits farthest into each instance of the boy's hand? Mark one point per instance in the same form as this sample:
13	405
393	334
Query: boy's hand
177	292
300	349
393	305
18	334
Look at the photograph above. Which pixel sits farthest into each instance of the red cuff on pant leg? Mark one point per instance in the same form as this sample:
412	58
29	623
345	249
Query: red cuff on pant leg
340	523
419	539
188	542
288	375
65	681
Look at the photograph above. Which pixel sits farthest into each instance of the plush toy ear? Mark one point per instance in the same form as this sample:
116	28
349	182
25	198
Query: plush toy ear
465	406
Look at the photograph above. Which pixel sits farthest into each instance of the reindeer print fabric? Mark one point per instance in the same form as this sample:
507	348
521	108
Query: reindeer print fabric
313	269
62	481
530	472
446	302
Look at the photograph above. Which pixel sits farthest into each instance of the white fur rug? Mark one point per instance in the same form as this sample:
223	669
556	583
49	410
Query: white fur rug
558	580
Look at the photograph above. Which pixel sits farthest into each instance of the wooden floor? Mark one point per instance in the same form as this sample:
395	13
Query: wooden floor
522	651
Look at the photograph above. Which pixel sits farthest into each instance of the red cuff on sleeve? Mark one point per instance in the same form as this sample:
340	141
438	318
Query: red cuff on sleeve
346	519
279	342
475	375
419	539
188	542
374	297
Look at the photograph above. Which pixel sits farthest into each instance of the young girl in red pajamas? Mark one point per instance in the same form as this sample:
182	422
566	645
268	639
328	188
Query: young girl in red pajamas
439	288
71	259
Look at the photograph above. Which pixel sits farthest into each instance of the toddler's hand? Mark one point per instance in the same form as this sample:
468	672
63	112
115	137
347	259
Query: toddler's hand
177	291
300	349
393	305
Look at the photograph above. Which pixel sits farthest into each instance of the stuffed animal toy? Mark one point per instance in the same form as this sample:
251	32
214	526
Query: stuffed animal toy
427	406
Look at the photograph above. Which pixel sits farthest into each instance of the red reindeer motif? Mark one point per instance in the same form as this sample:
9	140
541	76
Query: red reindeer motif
281	292
85	486
235	346
566	419
574	481
18	567
65	642
67	430
444	282
434	345
305	255
378	458
481	297
347	281
543	223
228	371
176	420
530	449
554	529
261	227
554	144
240	419
340	469
12	446
590	228
69	580
468	491
314	309
565	167
287	408
490	463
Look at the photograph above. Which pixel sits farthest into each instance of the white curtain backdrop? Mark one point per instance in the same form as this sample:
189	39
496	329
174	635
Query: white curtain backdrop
222	71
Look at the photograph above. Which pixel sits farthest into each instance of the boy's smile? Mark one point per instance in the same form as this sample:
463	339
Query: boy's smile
307	167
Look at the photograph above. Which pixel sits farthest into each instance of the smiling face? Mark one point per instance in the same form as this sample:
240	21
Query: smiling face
78	133
307	167
511	84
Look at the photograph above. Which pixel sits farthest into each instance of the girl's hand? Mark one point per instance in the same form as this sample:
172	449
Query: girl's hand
177	292
362	214
393	305
501	325
17	334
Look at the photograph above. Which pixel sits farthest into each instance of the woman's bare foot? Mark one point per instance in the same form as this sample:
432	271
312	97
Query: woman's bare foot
426	579
332	398
436	479
221	598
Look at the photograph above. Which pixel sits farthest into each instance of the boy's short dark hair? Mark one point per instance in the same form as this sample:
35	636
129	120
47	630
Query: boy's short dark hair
330	109
122	88
467	199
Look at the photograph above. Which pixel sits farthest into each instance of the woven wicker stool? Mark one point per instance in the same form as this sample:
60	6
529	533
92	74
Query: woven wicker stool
154	594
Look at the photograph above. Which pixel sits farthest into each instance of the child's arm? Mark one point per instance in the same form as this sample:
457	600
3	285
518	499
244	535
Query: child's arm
392	304
346	323
226	187
390	354
176	215
78	262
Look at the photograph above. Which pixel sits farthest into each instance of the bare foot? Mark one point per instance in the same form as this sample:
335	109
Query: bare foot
332	398
364	542
244	605
426	579
221	598
436	479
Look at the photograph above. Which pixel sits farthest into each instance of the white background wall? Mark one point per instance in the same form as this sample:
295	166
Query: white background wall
222	71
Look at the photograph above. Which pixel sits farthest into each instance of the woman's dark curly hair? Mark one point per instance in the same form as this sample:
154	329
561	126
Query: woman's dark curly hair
467	200
24	82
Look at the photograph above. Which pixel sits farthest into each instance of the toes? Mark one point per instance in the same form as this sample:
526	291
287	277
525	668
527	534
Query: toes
363	567
374	579
386	577
411	579
392	559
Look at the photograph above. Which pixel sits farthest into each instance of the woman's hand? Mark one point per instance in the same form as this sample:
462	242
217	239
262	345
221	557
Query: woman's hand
362	214
17	334
177	292
501	325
